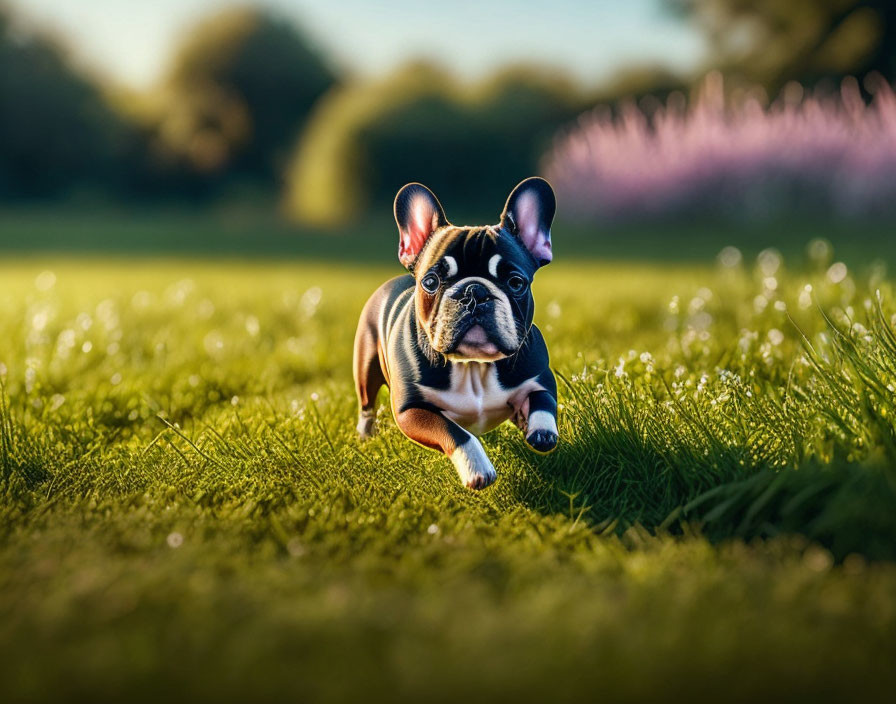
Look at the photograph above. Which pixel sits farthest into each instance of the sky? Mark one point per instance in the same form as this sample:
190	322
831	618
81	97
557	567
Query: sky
131	40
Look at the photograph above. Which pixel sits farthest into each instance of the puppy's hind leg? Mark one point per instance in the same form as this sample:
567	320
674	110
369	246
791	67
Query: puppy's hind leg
368	375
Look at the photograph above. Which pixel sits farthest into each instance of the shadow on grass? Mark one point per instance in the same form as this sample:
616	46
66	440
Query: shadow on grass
848	508
622	481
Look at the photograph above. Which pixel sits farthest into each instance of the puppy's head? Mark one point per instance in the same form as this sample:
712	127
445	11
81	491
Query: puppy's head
473	295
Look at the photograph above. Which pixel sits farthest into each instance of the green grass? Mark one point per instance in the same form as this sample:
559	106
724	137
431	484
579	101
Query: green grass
187	513
254	230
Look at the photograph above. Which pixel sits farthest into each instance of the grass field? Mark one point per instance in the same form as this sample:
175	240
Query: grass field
187	513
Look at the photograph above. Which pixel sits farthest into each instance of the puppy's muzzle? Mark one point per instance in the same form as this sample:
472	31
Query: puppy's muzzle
475	321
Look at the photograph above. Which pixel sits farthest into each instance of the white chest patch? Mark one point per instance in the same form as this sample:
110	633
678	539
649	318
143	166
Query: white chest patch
475	400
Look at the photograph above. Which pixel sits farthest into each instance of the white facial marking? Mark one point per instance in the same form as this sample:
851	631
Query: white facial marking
452	265
541	420
493	265
473	465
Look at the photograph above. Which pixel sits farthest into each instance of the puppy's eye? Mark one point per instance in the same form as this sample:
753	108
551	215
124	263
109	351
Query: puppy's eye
430	283
517	284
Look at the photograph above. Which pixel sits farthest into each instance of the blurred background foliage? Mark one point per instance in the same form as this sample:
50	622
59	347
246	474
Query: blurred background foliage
251	110
57	131
468	143
768	42
239	90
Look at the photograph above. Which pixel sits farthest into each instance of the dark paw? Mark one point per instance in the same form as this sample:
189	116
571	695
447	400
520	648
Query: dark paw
542	440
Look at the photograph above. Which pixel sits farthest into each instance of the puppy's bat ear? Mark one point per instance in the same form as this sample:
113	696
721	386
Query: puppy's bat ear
528	215
418	214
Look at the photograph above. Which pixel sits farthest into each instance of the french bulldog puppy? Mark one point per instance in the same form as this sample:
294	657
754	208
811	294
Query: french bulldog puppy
454	339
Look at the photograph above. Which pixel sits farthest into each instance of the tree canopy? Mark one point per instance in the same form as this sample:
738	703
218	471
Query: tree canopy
239	90
57	132
772	42
470	144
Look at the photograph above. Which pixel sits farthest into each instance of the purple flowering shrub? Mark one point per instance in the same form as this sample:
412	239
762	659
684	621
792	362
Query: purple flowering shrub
807	154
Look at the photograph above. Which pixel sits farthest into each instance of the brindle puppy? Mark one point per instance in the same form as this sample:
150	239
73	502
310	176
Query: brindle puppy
454	340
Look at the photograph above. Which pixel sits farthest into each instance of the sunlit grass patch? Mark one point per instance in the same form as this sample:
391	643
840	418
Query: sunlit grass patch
186	508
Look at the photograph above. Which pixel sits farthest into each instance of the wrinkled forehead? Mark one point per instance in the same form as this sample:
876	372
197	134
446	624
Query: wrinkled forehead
474	250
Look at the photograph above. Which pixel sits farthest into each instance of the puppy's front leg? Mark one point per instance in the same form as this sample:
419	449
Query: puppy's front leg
432	429
541	421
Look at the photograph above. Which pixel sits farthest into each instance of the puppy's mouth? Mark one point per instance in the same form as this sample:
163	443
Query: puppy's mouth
476	345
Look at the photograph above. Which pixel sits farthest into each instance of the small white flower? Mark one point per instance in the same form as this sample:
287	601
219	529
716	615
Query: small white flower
45	281
730	257
837	272
620	368
174	540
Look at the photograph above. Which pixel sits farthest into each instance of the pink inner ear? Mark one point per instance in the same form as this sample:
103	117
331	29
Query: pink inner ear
422	223
536	239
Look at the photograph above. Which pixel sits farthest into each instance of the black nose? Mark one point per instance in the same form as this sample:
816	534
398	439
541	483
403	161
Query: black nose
473	295
476	292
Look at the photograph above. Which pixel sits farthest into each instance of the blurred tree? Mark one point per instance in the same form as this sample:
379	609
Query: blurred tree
56	130
772	42
470	146
640	82
239	91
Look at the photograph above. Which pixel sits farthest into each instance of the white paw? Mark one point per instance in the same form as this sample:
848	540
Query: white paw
541	433
541	420
473	465
367	424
